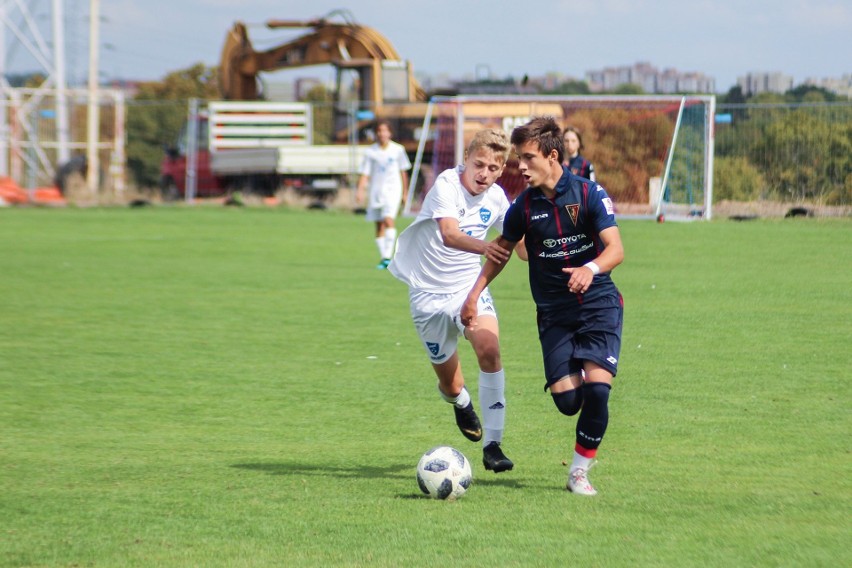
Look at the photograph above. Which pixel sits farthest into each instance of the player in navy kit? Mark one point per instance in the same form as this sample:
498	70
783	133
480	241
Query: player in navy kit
572	242
578	165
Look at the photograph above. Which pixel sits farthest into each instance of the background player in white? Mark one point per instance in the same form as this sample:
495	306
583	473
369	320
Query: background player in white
438	256
384	168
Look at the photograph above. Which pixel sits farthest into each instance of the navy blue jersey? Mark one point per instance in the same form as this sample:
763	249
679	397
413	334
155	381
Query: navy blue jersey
580	166
563	232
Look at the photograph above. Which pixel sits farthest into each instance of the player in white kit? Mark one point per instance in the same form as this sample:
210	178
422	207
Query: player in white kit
385	171
438	256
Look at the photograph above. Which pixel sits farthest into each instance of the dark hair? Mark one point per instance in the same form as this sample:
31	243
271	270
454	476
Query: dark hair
543	130
386	122
575	131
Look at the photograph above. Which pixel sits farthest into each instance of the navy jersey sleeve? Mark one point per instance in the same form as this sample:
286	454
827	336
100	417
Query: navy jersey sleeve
600	208
514	225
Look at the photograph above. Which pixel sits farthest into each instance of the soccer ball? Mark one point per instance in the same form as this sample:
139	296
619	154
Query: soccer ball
444	473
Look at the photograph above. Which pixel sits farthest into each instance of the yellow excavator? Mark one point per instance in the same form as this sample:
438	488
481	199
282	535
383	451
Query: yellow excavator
248	142
384	83
370	75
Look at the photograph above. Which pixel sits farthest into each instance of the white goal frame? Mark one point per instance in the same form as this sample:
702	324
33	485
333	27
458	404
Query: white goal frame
504	111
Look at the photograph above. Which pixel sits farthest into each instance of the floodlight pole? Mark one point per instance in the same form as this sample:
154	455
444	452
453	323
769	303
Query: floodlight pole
191	182
93	123
63	153
4	85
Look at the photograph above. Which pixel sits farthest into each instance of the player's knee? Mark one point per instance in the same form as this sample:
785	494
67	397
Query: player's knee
568	402
489	357
596	394
486	345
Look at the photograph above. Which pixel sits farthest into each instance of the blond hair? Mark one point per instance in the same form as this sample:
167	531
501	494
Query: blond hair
494	139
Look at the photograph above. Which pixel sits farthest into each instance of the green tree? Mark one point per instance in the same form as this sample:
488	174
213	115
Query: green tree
810	93
767	98
733	96
156	114
322	101
736	179
572	87
628	89
806	155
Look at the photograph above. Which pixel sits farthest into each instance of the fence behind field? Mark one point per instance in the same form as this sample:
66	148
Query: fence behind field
799	153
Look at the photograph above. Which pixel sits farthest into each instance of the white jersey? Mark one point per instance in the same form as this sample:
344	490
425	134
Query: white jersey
422	260
383	166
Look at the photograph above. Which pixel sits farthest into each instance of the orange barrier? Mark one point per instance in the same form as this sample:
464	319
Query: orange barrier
48	196
11	193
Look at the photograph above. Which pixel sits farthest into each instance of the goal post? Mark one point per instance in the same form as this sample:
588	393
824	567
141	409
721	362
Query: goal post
634	141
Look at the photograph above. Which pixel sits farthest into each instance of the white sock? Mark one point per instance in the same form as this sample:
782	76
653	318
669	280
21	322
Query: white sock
492	405
390	240
461	401
581	462
380	243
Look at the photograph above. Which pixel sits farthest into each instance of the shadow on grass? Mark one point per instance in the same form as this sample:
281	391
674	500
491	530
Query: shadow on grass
301	468
399	471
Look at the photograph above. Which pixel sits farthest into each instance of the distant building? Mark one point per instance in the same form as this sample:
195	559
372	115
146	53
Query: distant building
756	83
839	86
650	79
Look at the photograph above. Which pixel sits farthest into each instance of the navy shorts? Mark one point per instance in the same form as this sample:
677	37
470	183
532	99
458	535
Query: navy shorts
569	339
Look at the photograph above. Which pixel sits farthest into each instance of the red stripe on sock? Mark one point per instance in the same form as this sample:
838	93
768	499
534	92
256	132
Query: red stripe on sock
585	452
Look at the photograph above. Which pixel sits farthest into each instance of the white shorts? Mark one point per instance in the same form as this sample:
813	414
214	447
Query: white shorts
388	209
437	318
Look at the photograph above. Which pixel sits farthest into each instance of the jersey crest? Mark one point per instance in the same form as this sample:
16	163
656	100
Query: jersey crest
573	211
484	214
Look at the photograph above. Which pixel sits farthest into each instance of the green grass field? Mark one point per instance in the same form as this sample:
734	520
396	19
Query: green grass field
240	387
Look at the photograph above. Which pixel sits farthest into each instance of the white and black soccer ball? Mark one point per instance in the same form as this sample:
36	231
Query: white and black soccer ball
444	473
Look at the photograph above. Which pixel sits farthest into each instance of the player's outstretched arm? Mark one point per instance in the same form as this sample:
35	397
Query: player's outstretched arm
454	237
360	189
490	271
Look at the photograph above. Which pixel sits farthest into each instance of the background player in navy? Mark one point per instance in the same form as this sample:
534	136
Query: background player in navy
578	165
572	243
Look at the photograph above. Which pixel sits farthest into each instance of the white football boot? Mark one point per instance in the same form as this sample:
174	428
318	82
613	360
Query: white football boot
578	482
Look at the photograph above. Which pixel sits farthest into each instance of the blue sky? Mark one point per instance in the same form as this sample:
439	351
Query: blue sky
145	39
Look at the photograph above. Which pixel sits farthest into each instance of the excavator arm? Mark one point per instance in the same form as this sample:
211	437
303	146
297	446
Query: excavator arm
343	45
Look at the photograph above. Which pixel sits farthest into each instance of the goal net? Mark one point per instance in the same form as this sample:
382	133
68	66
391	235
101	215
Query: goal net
652	153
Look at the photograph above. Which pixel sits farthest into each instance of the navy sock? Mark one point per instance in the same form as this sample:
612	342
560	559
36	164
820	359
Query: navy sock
594	417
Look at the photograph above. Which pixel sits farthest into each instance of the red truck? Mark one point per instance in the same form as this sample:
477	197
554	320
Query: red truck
257	146
173	166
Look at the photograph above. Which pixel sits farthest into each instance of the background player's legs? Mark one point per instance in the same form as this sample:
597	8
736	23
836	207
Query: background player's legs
389	237
385	250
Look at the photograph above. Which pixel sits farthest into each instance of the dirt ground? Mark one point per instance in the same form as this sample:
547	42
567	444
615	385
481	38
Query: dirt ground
727	209
748	210
78	195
